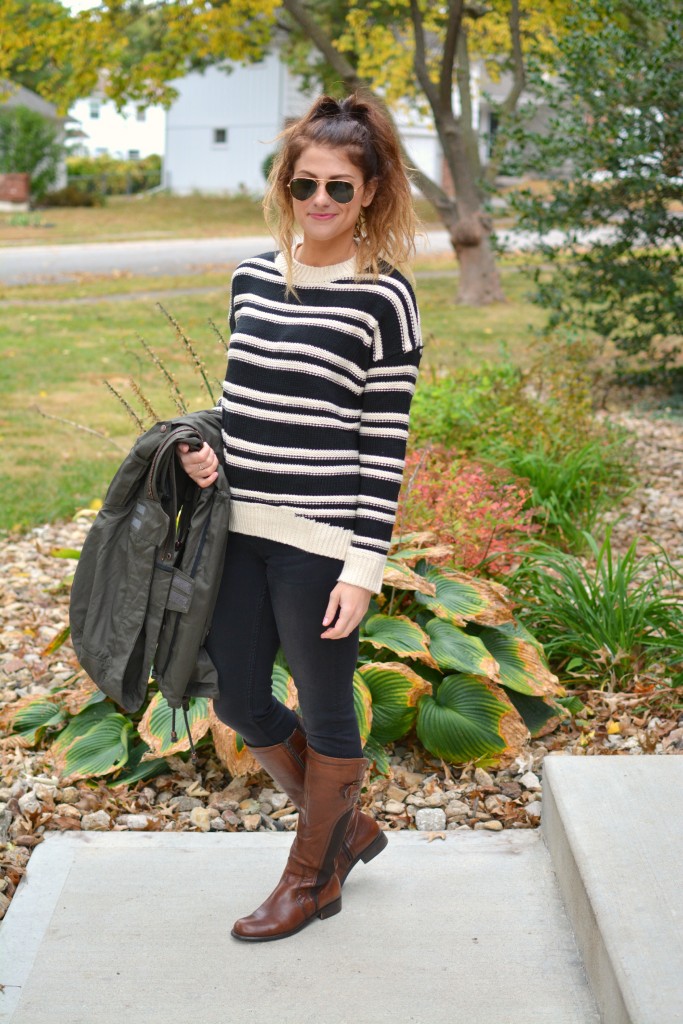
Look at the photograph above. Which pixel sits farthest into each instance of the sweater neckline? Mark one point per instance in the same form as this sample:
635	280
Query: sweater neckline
304	273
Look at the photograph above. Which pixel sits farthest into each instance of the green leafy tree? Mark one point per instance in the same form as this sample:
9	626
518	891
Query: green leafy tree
29	144
616	137
410	51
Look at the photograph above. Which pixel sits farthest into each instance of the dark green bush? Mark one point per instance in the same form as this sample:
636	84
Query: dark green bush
71	195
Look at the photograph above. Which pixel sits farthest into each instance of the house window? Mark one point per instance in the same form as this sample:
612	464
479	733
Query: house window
133	154
94	109
141	114
220	136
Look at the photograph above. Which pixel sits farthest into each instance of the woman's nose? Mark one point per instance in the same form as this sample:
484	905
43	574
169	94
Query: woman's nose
320	195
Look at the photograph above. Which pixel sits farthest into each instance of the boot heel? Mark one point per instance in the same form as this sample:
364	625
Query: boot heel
330	910
374	848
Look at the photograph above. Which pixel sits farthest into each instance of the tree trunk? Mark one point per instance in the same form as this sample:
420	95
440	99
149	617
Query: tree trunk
479	282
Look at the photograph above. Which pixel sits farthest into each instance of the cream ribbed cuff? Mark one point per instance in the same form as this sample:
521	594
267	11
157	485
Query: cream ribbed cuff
364	569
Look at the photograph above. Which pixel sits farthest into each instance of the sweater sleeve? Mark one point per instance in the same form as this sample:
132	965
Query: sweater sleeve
385	415
231	325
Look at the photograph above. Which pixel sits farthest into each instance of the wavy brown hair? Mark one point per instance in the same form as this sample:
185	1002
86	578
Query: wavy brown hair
385	229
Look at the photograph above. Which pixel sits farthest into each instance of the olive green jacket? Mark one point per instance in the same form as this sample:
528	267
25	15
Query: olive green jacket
146	583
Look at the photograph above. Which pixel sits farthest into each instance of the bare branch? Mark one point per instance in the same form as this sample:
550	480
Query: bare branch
421	70
518	69
78	426
455	13
322	41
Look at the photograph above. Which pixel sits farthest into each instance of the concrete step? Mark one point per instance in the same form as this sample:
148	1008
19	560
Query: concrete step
135	927
614	828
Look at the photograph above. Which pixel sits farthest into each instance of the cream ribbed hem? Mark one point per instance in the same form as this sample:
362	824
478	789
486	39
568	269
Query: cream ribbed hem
277	522
303	273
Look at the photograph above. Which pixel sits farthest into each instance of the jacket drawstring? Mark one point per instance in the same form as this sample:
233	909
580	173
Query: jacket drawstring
174	734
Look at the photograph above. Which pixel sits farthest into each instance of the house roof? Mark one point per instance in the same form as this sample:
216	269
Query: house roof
13	95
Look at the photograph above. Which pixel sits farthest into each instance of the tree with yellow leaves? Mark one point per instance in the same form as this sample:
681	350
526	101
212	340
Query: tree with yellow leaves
402	51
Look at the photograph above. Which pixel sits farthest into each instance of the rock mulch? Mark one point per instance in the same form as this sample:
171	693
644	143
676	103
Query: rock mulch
421	793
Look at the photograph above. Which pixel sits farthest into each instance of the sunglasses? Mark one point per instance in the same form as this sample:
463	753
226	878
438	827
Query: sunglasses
340	191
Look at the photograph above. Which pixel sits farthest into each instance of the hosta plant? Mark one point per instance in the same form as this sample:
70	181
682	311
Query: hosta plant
440	651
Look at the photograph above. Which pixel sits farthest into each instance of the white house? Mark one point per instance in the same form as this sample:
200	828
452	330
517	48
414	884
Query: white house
133	134
223	125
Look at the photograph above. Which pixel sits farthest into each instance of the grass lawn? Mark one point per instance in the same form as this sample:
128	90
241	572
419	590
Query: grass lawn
156	216
56	356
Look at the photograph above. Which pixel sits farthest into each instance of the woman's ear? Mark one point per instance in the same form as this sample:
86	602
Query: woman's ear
369	192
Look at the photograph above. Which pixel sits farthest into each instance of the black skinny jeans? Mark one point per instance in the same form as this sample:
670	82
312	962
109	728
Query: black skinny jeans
274	594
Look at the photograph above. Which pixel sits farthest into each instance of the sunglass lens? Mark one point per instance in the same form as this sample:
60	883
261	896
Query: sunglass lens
302	188
340	191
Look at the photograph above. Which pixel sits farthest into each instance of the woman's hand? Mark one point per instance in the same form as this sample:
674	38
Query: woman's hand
352	602
201	466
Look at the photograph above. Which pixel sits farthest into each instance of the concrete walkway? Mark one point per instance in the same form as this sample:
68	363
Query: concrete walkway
134	927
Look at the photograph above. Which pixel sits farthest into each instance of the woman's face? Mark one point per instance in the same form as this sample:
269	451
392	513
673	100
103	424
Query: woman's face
321	218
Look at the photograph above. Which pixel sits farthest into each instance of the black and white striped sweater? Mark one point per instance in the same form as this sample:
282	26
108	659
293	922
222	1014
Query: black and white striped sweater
315	408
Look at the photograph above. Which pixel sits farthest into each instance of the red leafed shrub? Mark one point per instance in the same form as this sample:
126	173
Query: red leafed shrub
478	509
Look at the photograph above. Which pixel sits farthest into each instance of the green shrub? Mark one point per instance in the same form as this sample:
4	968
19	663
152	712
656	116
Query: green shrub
110	176
28	144
71	195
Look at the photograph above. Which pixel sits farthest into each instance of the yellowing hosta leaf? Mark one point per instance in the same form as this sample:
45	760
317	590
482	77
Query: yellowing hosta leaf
414	554
362	702
461	598
400	634
455	649
99	751
522	666
462	722
231	749
396	690
401	576
29	717
155	725
284	688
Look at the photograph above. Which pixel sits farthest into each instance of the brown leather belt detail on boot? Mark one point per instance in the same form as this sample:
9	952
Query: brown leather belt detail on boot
309	886
286	764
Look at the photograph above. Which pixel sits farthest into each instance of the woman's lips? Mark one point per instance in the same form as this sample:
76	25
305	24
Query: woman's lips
322	216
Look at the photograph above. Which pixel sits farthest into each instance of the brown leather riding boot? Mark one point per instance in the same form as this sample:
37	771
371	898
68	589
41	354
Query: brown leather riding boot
286	762
309	886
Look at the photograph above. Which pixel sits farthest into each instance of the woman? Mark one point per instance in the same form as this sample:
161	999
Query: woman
324	353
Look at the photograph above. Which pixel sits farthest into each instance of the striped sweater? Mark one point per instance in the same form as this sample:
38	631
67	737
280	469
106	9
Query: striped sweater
315	408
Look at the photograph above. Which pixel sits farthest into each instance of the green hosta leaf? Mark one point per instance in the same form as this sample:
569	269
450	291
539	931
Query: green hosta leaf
461	598
283	687
536	712
99	751
378	757
280	679
396	690
521	663
33	718
516	629
461	723
455	649
362	702
137	769
155	725
399	634
81	723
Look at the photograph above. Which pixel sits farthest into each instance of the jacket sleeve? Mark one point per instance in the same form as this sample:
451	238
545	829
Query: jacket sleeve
385	415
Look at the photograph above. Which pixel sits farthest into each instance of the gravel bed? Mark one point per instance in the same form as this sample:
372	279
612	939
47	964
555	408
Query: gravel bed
421	793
